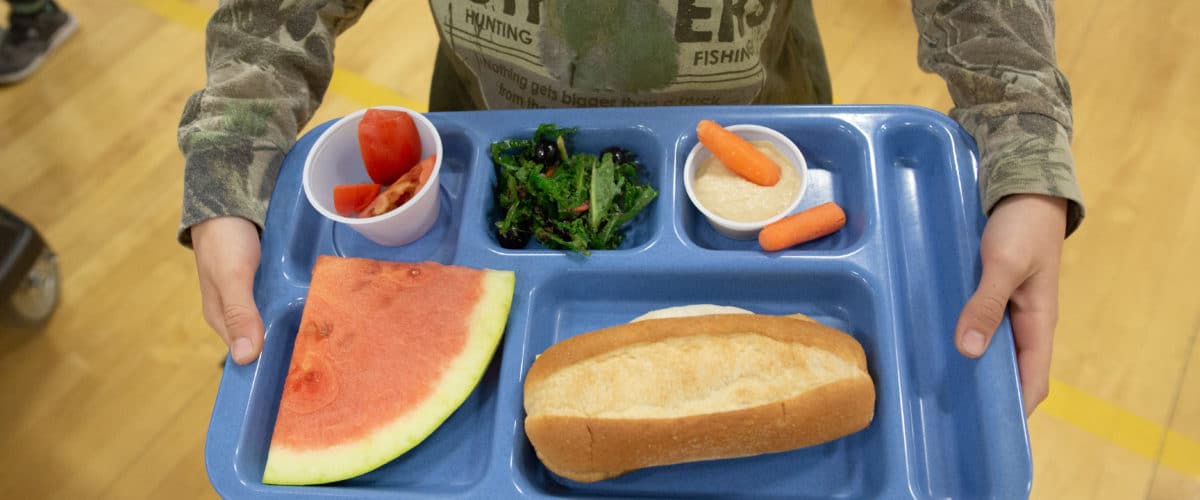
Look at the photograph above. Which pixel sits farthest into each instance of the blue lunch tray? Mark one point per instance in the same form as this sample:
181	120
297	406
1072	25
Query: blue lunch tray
895	278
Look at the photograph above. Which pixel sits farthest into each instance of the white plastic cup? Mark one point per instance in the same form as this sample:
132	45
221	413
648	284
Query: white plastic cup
336	159
746	230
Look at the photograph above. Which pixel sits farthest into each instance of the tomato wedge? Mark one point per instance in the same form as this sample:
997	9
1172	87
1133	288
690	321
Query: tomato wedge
402	190
350	199
390	144
426	167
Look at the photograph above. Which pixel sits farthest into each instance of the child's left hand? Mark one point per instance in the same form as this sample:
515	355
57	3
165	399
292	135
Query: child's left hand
1021	251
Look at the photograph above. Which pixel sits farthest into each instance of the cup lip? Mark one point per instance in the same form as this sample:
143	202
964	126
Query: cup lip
354	118
780	140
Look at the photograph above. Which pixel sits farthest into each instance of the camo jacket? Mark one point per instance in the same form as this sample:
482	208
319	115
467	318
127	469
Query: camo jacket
270	62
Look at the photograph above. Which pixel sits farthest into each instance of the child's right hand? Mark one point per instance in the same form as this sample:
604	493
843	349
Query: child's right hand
1021	252
227	254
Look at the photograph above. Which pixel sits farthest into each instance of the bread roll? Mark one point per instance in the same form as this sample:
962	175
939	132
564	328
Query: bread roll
683	389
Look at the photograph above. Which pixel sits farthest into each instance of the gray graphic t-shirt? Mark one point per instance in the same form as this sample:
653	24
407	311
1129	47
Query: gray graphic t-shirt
594	54
547	53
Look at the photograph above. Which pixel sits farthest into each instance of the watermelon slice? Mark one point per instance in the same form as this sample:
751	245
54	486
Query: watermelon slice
385	352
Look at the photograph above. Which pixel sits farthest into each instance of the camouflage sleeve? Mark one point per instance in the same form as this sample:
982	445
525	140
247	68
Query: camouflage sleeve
998	60
269	63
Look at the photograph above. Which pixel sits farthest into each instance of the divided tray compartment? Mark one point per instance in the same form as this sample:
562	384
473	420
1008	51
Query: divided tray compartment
840	295
932	199
894	278
839	170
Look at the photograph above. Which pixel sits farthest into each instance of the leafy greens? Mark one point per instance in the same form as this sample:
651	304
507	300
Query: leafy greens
573	202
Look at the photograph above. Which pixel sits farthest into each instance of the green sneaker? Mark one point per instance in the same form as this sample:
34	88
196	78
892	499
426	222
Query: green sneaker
29	40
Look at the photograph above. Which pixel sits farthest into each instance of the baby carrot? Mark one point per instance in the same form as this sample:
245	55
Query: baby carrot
818	221
738	154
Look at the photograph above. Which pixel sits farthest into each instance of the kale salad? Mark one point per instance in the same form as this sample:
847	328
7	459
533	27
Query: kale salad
566	200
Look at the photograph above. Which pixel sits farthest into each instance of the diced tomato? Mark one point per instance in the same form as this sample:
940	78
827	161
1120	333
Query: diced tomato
350	199
389	143
402	190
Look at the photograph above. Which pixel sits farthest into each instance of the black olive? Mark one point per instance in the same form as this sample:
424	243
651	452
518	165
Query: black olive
513	239
545	153
620	156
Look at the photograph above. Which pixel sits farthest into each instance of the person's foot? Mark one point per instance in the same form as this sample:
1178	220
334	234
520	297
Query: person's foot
29	40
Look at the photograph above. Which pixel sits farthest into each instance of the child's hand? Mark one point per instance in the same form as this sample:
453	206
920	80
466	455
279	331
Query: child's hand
1021	250
227	254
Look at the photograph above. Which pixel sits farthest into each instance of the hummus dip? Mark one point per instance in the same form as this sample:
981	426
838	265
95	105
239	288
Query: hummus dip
731	197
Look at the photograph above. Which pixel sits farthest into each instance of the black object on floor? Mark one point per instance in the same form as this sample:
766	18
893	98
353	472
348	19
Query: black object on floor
29	286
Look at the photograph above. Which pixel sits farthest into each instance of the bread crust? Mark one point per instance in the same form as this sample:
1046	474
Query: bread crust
588	449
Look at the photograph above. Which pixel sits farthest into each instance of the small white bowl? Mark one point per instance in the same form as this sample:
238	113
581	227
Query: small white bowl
336	159
746	230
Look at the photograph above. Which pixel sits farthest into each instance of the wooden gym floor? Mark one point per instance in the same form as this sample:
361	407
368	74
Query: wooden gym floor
112	399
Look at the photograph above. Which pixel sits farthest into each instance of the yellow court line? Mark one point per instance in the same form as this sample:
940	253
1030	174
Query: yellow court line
178	11
1182	454
1122	428
1066	403
345	83
367	93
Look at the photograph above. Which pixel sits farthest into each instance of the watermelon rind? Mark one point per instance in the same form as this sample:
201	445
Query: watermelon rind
487	321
